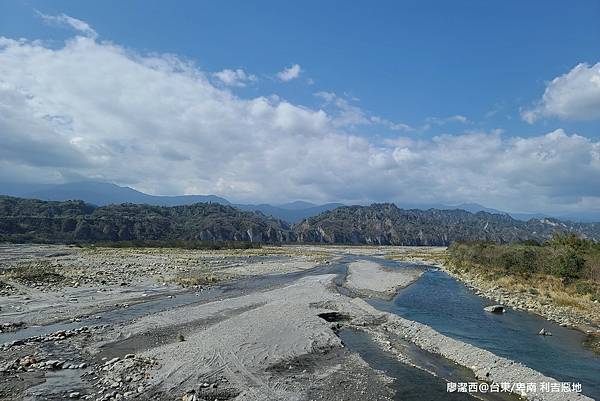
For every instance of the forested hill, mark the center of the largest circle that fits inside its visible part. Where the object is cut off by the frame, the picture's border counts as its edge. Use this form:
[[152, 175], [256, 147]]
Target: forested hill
[[28, 220], [387, 224]]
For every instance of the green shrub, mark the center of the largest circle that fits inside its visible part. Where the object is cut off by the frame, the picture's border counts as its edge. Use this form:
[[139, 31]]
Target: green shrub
[[569, 264]]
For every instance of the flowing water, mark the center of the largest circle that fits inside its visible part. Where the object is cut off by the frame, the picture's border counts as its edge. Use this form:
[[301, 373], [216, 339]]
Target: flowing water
[[443, 303], [411, 383]]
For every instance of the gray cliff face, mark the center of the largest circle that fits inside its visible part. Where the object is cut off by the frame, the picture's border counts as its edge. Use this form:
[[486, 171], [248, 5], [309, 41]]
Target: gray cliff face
[[28, 220], [386, 224]]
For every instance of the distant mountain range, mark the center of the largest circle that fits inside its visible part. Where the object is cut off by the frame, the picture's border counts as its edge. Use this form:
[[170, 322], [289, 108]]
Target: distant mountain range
[[386, 224], [102, 194], [32, 220], [291, 212]]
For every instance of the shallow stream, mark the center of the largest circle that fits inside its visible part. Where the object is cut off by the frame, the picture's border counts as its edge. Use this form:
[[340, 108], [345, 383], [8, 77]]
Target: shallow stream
[[448, 306]]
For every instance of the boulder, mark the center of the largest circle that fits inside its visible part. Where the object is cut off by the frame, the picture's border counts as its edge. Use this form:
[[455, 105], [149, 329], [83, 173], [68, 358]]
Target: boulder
[[189, 396], [495, 309]]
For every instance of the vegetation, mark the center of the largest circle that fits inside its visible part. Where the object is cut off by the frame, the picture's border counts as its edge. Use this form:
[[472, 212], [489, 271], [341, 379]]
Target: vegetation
[[216, 226], [35, 273], [195, 278], [201, 224], [567, 264], [386, 224], [179, 244]]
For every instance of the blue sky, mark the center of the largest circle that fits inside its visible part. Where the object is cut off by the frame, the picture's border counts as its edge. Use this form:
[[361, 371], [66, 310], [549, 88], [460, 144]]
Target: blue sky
[[400, 75], [405, 61]]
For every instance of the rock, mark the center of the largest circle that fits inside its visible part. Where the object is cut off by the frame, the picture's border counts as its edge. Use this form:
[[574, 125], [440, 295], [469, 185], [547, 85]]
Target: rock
[[495, 309], [75, 394], [116, 359], [27, 361], [189, 396], [53, 363]]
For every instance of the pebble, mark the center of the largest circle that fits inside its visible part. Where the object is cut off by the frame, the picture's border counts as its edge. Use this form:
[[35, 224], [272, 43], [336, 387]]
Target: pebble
[[115, 359]]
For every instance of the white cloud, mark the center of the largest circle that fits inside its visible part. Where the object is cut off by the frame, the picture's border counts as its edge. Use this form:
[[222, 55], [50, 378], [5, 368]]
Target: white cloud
[[344, 114], [574, 95], [77, 24], [154, 122], [440, 121], [391, 125], [289, 73], [236, 77]]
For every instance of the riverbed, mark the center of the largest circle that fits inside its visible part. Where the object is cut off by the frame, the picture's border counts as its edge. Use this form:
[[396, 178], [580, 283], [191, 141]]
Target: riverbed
[[287, 324]]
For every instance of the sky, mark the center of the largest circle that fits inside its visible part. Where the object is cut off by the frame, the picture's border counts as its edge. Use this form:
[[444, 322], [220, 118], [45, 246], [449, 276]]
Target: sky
[[413, 102]]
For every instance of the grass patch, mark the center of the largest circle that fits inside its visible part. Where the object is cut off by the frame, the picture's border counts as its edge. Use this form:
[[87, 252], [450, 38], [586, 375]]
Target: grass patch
[[36, 273], [565, 299], [179, 244], [435, 255], [576, 294], [195, 278]]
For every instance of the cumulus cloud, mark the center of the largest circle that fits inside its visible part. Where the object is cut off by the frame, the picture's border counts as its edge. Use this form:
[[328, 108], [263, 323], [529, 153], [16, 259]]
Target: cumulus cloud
[[157, 123], [574, 95], [345, 114], [74, 23], [289, 73], [236, 77]]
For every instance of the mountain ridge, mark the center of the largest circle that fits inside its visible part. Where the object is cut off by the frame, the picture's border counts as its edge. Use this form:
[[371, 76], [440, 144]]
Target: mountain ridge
[[386, 224], [105, 193], [30, 220]]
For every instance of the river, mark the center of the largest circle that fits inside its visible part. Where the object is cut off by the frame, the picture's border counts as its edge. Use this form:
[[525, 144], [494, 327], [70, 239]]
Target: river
[[448, 306]]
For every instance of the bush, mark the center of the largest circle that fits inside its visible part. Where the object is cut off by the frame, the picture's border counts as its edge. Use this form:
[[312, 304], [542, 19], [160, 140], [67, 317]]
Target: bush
[[567, 257], [569, 264]]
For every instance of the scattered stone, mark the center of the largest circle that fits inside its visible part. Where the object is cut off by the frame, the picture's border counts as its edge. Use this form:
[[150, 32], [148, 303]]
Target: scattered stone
[[57, 336], [13, 326]]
